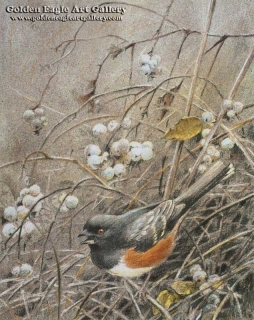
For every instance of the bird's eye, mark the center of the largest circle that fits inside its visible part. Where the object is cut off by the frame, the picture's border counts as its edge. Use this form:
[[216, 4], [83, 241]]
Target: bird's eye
[[101, 232]]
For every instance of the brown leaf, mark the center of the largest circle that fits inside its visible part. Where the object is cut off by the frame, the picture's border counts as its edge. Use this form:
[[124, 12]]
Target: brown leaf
[[168, 98], [115, 51], [84, 98]]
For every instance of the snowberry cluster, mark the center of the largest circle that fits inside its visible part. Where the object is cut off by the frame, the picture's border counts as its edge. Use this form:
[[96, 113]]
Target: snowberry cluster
[[212, 152], [66, 203], [94, 156], [122, 153], [149, 65], [234, 107], [101, 129], [132, 151], [36, 119], [207, 285], [23, 270], [29, 198]]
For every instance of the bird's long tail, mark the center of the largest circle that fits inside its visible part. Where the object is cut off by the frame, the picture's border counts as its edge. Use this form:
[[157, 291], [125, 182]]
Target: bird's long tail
[[213, 176]]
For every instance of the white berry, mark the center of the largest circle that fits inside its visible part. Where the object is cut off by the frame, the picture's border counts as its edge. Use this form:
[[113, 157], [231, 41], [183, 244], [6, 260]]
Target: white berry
[[104, 156], [205, 132], [24, 192], [16, 271], [108, 173], [145, 69], [99, 129], [37, 124], [119, 169], [144, 59], [146, 153], [10, 214], [92, 149], [199, 276], [211, 150], [28, 201], [148, 144], [153, 63], [231, 113], [202, 168], [207, 159], [135, 153], [114, 150], [227, 103], [126, 123], [9, 229], [135, 144], [39, 111], [28, 115], [34, 190], [202, 142], [194, 269], [205, 288], [94, 161], [22, 212], [227, 144], [62, 197], [29, 227], [37, 207], [216, 155], [44, 120], [238, 106], [112, 125], [64, 209], [25, 269], [207, 117], [123, 146], [157, 58], [71, 202]]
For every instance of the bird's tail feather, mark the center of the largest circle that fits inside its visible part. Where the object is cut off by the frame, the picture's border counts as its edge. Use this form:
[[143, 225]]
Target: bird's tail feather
[[213, 176]]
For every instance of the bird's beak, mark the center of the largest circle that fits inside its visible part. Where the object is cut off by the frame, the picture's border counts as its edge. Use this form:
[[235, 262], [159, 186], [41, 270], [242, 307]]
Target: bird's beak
[[86, 241]]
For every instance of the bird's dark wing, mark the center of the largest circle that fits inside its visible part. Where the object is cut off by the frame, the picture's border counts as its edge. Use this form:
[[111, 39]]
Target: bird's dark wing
[[148, 228]]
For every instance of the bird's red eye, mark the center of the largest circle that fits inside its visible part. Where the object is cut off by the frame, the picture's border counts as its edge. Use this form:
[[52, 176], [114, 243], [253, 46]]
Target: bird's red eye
[[101, 231]]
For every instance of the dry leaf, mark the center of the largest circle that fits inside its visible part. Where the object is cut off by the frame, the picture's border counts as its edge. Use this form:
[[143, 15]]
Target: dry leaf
[[168, 98], [185, 129], [115, 51], [84, 98], [183, 288], [166, 299]]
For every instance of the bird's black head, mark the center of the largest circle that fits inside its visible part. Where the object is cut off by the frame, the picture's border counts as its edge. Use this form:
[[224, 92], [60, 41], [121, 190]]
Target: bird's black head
[[98, 230]]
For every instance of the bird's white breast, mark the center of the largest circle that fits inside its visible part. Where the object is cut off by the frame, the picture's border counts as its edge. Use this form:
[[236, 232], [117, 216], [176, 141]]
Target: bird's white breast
[[121, 270]]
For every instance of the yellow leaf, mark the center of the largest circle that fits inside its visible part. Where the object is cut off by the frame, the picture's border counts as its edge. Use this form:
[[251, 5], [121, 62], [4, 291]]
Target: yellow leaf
[[185, 129], [184, 288], [166, 299]]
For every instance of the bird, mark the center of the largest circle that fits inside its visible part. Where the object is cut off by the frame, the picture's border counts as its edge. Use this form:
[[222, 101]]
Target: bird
[[133, 243]]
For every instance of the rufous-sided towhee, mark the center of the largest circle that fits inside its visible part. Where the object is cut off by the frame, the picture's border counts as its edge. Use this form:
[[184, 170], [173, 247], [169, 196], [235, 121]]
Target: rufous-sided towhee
[[133, 243]]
